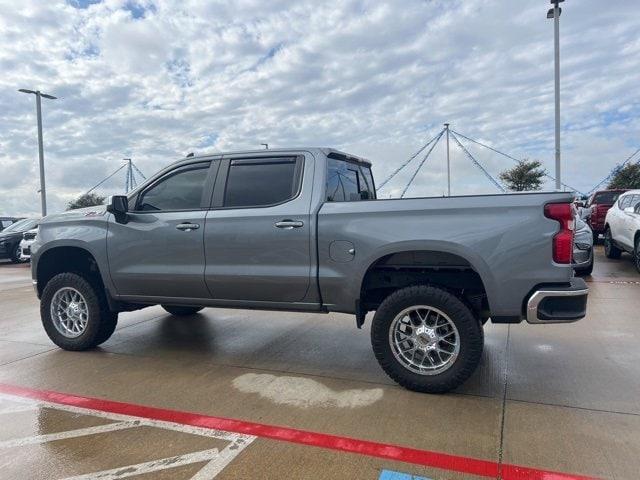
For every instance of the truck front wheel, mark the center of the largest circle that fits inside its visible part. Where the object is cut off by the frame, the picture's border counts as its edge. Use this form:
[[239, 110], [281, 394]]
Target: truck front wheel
[[73, 314], [426, 339]]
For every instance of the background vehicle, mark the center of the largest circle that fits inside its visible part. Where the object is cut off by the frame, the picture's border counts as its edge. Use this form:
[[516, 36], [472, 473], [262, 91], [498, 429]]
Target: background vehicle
[[11, 237], [623, 227], [28, 238], [6, 221], [600, 203], [582, 248], [302, 230]]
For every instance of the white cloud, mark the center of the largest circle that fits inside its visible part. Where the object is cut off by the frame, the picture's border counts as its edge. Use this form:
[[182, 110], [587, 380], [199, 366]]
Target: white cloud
[[155, 80]]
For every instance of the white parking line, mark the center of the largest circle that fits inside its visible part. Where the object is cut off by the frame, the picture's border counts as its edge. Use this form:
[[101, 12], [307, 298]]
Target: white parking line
[[149, 467], [216, 459], [18, 409], [224, 458], [80, 432], [206, 432]]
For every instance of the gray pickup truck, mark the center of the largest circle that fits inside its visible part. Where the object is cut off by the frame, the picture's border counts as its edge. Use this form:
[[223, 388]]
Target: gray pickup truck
[[302, 230]]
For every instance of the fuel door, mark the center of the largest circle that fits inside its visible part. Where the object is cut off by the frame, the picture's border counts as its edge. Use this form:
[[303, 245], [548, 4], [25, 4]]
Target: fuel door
[[342, 251]]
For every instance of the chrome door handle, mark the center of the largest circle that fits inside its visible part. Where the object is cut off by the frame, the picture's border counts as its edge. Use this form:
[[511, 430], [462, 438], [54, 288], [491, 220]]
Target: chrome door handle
[[187, 227], [289, 224]]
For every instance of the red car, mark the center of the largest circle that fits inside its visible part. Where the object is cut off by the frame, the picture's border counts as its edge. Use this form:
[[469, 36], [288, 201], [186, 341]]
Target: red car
[[600, 203]]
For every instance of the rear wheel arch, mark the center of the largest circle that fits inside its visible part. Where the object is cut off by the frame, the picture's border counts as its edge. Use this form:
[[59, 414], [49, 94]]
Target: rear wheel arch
[[443, 269]]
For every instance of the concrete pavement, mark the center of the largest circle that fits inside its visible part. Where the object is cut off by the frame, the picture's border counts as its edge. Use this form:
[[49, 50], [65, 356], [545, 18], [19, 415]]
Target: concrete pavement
[[558, 397]]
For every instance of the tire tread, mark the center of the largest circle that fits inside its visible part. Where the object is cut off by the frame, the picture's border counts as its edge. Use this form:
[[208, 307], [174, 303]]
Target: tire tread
[[102, 322]]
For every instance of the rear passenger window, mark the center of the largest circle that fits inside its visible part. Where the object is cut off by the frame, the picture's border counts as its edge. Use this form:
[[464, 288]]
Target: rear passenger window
[[262, 182], [348, 182]]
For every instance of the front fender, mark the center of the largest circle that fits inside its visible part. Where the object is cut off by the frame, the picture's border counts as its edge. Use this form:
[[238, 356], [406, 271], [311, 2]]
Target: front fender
[[87, 234]]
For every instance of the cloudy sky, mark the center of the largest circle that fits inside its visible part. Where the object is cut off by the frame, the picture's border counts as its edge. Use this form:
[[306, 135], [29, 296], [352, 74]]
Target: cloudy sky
[[154, 80]]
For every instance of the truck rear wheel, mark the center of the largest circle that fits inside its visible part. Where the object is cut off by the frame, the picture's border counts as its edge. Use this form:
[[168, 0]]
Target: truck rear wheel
[[73, 314], [181, 311], [426, 339]]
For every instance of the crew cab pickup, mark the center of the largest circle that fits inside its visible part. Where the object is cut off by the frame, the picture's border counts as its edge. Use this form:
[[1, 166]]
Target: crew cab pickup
[[302, 230]]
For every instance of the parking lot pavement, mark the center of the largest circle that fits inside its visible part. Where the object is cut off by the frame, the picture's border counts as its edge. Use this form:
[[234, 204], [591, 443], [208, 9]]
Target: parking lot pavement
[[241, 394]]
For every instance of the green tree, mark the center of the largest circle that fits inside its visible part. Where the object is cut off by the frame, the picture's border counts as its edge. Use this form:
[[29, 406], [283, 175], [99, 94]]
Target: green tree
[[627, 177], [86, 200], [527, 175]]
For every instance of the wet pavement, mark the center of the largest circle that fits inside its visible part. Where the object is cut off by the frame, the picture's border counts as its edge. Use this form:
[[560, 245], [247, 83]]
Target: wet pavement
[[563, 398]]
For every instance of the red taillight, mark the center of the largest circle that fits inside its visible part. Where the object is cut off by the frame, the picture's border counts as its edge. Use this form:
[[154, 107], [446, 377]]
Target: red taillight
[[563, 213]]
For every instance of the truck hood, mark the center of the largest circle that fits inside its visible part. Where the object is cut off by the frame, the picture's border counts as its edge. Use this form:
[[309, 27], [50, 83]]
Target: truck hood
[[96, 211]]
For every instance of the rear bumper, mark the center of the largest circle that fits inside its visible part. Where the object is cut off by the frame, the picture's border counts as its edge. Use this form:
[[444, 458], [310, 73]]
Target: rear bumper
[[563, 304]]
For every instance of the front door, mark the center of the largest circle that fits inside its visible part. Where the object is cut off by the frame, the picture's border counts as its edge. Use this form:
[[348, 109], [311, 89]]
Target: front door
[[159, 251], [631, 221], [258, 235]]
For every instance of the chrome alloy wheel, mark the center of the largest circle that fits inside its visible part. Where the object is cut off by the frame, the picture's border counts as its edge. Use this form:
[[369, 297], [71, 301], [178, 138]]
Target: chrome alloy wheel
[[424, 340], [69, 312]]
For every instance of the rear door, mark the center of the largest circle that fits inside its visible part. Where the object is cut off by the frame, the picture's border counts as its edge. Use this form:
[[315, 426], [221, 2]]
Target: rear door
[[258, 234], [159, 252]]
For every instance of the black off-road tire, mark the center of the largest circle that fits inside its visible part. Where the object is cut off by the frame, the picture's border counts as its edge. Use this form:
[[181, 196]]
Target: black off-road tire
[[470, 331], [181, 311], [610, 250], [101, 321], [636, 253]]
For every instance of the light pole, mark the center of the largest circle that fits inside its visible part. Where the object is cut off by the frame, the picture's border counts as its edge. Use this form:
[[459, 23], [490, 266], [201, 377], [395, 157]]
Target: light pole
[[555, 14], [43, 192], [446, 127]]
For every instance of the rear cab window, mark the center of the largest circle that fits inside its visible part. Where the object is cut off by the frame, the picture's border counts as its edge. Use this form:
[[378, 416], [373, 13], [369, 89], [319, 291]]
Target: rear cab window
[[348, 181]]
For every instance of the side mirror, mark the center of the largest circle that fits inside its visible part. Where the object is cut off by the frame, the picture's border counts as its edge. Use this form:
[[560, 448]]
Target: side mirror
[[119, 206], [629, 210]]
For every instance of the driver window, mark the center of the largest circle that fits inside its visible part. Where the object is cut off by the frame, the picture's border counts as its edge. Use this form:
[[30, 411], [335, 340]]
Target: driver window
[[179, 190]]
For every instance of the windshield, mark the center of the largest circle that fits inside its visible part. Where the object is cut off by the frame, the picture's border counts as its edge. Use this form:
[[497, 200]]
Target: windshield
[[606, 198], [21, 226]]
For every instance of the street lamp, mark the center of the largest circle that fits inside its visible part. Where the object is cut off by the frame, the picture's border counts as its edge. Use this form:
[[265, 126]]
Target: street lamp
[[43, 193], [555, 14]]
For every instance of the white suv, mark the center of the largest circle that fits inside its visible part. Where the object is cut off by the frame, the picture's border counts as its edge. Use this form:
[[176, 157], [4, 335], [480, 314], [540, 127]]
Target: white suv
[[622, 227]]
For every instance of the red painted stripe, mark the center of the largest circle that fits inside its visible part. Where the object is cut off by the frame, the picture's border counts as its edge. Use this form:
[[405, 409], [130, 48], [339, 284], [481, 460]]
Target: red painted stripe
[[444, 461]]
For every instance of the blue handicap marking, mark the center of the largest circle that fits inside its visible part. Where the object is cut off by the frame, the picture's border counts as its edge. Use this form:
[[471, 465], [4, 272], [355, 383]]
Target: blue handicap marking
[[392, 475]]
